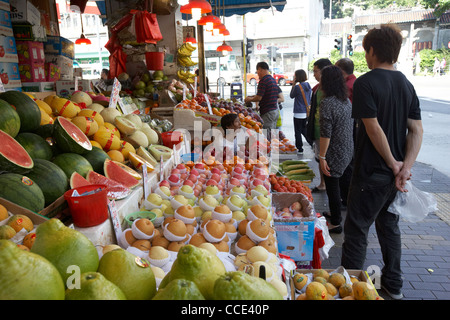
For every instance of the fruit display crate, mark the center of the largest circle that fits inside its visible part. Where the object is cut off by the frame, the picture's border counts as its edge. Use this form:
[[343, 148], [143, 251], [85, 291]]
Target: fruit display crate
[[360, 275]]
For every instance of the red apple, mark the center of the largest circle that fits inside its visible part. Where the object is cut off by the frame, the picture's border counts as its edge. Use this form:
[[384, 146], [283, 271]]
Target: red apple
[[175, 171], [188, 183], [211, 182], [195, 172], [164, 183], [174, 178], [215, 176]]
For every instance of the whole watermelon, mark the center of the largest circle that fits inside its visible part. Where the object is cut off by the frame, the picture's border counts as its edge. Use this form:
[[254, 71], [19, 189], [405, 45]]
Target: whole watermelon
[[71, 162], [22, 191], [9, 119], [28, 110], [96, 158], [50, 178], [36, 146]]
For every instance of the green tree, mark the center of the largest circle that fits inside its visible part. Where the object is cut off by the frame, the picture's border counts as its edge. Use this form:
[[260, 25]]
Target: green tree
[[439, 6]]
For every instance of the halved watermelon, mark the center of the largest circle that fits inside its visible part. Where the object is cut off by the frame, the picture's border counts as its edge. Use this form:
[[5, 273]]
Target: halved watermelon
[[115, 190], [119, 174], [13, 157], [69, 138], [77, 180]]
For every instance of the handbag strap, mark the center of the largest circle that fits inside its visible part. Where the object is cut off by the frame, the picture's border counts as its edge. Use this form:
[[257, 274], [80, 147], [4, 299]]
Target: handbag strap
[[303, 94]]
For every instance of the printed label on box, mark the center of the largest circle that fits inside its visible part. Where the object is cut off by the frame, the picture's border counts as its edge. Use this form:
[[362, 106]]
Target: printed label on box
[[9, 74], [8, 51], [295, 239], [5, 23]]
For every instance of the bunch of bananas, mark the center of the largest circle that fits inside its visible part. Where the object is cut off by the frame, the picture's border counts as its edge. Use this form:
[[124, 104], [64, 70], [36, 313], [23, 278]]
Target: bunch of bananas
[[186, 76], [184, 55]]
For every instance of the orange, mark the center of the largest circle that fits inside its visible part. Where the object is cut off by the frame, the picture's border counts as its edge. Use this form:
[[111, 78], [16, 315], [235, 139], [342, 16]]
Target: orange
[[3, 213], [19, 221], [116, 155]]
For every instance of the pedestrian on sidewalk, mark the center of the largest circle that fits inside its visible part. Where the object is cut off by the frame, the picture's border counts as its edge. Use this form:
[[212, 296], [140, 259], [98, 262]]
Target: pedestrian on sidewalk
[[313, 125], [336, 139], [388, 141], [347, 67], [301, 93]]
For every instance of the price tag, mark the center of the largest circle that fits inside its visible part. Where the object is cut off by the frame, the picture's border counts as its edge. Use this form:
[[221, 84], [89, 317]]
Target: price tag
[[161, 172], [2, 88], [207, 103], [115, 93], [144, 180], [76, 84], [114, 216], [195, 87], [184, 92]]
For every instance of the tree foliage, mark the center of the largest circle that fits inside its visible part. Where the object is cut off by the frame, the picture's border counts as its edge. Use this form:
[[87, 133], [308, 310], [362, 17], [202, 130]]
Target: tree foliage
[[439, 6]]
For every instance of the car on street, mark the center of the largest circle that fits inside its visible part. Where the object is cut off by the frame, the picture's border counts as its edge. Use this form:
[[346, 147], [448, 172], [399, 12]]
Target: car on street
[[281, 78]]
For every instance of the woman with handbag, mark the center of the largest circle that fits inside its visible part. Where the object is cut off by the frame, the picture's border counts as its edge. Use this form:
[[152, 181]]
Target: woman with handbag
[[301, 93]]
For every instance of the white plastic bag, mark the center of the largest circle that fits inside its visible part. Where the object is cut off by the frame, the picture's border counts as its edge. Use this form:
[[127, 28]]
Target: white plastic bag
[[414, 205]]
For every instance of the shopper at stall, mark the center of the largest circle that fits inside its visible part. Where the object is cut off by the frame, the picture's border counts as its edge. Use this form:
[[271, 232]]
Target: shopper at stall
[[336, 139], [388, 140], [105, 74], [301, 93], [313, 126], [266, 96]]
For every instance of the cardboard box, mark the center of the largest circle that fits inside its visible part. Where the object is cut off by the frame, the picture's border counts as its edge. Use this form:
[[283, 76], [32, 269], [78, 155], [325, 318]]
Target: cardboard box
[[16, 209], [361, 275], [4, 5], [60, 46], [8, 49], [52, 72], [38, 87], [6, 27], [29, 32], [23, 11], [10, 75], [65, 88], [63, 63], [32, 72], [30, 52]]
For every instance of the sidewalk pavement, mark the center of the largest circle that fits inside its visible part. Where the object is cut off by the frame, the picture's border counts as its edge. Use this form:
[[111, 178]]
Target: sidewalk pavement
[[425, 244]]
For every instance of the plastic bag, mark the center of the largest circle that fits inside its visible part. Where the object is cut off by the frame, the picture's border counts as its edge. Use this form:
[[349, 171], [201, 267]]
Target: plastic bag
[[414, 205]]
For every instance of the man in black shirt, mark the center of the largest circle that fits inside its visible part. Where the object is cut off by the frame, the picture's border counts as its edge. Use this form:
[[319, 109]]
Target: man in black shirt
[[388, 140]]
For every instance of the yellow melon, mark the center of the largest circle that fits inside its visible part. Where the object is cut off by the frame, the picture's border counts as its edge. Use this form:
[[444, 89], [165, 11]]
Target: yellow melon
[[126, 148], [48, 99], [107, 139], [92, 114], [113, 128], [45, 118], [138, 162], [116, 155], [30, 95], [44, 106], [64, 107], [96, 144], [88, 125]]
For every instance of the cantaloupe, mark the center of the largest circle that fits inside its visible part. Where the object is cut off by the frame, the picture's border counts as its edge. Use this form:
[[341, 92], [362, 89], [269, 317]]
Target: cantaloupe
[[109, 114], [81, 97], [92, 114]]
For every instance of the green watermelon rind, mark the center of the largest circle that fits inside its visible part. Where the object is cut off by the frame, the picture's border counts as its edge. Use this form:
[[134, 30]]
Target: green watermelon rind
[[50, 178], [9, 119], [70, 162], [21, 190], [36, 146], [96, 158], [65, 142], [7, 165], [28, 110]]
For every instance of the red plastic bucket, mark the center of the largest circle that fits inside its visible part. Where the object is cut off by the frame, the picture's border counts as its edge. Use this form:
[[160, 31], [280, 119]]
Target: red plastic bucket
[[154, 60], [88, 210], [170, 138]]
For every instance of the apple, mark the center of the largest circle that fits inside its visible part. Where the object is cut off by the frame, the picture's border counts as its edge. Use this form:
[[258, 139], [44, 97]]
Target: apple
[[210, 201], [194, 172], [173, 178], [192, 177], [236, 201], [164, 190], [238, 189], [257, 182], [297, 214], [215, 177], [187, 189], [183, 176], [238, 215], [215, 170], [238, 170], [264, 200], [181, 167], [188, 183], [211, 182], [154, 199], [260, 189], [296, 206], [235, 182], [164, 183], [175, 171]]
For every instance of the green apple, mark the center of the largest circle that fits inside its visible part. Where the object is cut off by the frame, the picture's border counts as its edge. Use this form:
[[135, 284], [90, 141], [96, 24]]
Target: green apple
[[264, 200], [181, 199], [210, 201], [236, 201], [238, 189], [261, 189], [187, 189], [154, 199]]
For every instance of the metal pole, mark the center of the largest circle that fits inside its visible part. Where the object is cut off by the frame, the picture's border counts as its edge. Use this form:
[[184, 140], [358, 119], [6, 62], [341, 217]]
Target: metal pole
[[244, 45], [201, 58]]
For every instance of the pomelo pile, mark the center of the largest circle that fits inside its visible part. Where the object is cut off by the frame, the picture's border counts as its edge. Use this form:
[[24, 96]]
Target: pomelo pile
[[46, 142]]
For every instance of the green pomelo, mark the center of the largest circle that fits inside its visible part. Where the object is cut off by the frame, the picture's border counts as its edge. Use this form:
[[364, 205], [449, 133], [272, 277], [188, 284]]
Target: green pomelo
[[36, 146], [13, 157], [50, 178], [28, 110], [179, 289], [27, 276], [9, 119], [22, 191], [131, 274], [94, 286], [97, 158], [70, 138], [238, 285], [197, 265], [65, 247], [7, 232], [72, 162]]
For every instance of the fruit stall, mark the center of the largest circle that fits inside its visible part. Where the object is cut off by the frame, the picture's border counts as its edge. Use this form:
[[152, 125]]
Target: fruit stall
[[102, 181]]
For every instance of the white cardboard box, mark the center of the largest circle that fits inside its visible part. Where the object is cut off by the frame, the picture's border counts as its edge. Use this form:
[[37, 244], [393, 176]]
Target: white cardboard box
[[23, 11]]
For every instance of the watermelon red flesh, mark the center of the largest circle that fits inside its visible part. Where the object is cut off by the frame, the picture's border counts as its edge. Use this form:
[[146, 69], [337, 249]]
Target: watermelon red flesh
[[69, 138], [77, 180], [118, 174], [115, 190], [13, 157]]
